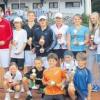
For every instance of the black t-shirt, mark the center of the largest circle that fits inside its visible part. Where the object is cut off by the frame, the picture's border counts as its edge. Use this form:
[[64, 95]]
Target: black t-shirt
[[39, 75], [29, 33]]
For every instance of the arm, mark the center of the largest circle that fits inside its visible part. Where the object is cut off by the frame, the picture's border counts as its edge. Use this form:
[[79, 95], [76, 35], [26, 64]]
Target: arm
[[54, 41], [97, 36], [89, 92]]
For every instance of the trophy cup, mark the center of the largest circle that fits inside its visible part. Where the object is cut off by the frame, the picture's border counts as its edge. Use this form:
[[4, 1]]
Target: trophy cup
[[75, 42], [60, 39], [42, 42], [92, 45]]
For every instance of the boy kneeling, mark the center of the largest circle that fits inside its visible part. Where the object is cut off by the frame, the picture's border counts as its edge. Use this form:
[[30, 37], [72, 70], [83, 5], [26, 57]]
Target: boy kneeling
[[12, 81]]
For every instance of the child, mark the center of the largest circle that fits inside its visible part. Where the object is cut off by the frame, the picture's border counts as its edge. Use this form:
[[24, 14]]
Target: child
[[53, 79], [18, 43], [82, 79], [12, 80], [69, 64], [34, 76]]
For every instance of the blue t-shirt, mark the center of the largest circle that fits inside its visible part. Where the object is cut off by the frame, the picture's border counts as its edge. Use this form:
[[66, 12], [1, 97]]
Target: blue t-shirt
[[80, 37], [82, 78]]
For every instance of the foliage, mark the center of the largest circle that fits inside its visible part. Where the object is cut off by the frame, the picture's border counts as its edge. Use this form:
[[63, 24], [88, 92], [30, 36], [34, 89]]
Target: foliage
[[85, 19]]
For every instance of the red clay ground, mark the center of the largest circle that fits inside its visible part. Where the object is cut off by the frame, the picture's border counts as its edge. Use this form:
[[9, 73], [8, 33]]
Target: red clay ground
[[95, 95]]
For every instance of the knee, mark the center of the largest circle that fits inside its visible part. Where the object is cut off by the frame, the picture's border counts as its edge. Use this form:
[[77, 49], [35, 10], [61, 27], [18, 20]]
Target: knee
[[25, 80]]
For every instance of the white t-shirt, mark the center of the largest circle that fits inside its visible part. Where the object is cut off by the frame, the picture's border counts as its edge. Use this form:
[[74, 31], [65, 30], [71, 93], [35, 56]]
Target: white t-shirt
[[20, 37], [97, 40], [15, 78], [61, 34], [70, 66]]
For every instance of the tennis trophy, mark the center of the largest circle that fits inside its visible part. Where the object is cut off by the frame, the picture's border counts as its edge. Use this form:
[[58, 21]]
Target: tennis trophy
[[92, 45], [42, 42]]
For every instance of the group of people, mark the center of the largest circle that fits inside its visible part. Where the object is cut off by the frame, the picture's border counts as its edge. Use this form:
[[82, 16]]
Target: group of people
[[59, 58]]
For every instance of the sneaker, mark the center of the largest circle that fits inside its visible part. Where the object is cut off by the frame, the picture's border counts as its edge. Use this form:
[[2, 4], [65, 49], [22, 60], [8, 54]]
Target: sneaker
[[7, 97], [17, 94], [29, 97]]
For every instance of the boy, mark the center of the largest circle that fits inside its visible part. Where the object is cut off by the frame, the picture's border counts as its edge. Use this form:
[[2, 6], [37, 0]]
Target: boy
[[53, 79], [12, 80], [82, 79], [34, 76], [18, 43], [69, 64]]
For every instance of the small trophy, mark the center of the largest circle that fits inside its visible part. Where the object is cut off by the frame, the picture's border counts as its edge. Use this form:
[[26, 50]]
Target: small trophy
[[52, 83], [42, 42], [92, 45], [75, 42]]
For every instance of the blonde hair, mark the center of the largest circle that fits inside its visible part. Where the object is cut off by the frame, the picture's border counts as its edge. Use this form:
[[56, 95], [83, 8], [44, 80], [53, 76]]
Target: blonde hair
[[31, 12], [92, 26]]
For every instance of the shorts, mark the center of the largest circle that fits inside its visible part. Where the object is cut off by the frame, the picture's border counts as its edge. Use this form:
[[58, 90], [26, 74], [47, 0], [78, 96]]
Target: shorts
[[54, 97], [59, 52], [98, 58], [29, 58], [4, 58], [19, 62]]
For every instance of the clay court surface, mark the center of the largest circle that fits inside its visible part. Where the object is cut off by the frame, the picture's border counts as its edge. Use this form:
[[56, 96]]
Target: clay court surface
[[95, 95]]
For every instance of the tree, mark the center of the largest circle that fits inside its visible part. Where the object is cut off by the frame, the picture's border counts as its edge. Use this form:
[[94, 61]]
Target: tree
[[96, 5]]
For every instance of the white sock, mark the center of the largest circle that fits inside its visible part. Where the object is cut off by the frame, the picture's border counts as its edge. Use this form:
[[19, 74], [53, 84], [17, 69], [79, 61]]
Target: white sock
[[7, 96], [29, 93]]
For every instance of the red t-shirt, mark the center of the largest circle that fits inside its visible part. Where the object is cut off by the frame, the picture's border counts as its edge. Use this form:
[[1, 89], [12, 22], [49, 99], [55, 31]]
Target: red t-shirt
[[5, 33]]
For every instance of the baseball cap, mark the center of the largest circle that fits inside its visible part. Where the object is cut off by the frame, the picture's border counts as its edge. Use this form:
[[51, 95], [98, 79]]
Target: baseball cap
[[68, 53], [42, 17], [58, 15], [17, 19]]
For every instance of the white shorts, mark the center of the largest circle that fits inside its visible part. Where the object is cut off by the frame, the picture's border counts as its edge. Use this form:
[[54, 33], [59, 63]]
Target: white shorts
[[29, 58], [4, 58]]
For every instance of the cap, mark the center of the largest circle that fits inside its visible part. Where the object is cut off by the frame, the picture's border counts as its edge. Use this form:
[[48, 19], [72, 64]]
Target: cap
[[17, 19], [58, 15], [68, 53], [42, 17]]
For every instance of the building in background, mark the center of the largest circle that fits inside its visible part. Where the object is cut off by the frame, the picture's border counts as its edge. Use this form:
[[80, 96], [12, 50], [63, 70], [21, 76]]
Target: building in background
[[64, 6]]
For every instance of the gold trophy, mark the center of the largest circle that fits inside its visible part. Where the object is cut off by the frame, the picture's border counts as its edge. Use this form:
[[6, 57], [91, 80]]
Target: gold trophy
[[42, 42], [92, 45]]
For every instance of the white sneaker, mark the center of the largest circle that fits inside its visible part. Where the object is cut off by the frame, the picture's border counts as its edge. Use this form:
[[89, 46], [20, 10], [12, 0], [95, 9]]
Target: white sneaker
[[17, 94], [7, 96]]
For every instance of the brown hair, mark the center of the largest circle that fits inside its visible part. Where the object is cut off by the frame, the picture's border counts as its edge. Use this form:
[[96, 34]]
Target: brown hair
[[52, 56], [13, 63]]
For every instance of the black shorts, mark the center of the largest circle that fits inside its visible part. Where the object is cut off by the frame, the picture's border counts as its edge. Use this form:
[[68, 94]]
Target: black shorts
[[54, 97], [19, 62], [59, 52]]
